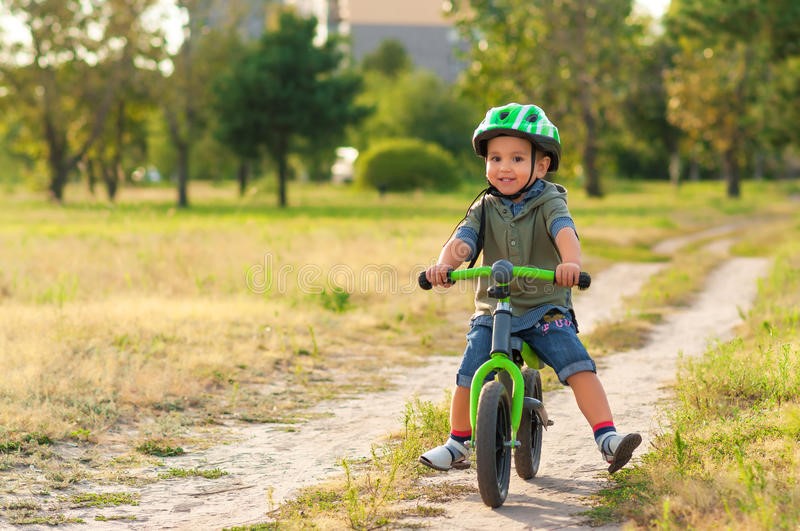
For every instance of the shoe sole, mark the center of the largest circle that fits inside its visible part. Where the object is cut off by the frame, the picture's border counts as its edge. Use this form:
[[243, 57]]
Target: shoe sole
[[458, 465], [625, 451]]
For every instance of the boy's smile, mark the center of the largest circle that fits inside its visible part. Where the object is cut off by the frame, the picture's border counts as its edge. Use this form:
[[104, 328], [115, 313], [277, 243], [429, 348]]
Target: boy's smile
[[508, 164]]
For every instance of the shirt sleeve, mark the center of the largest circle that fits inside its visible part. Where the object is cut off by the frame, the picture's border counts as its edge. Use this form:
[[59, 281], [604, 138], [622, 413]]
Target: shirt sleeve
[[557, 217], [469, 236], [469, 227], [562, 223]]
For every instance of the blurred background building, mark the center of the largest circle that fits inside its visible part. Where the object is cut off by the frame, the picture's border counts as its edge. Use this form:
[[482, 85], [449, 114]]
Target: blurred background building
[[419, 25]]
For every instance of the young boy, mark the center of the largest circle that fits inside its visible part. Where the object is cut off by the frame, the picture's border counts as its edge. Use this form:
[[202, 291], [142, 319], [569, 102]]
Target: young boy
[[524, 219]]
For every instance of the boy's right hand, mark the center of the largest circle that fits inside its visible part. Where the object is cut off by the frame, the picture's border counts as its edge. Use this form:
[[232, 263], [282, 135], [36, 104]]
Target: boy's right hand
[[437, 275]]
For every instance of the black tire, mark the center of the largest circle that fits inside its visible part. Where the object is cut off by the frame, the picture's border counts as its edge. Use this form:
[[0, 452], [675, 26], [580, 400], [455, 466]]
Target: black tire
[[529, 452], [492, 443]]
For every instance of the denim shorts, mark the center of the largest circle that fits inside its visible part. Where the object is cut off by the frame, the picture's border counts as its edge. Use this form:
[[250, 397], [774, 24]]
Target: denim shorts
[[554, 339]]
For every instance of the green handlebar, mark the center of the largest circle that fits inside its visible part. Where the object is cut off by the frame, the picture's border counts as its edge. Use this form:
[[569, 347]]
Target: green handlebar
[[519, 271]]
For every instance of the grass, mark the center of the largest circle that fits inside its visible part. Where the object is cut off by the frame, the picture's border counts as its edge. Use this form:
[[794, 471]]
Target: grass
[[214, 473], [170, 322], [159, 449], [377, 490], [103, 499]]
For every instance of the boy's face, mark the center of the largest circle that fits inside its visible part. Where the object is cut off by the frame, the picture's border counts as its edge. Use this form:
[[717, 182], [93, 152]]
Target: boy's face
[[508, 163]]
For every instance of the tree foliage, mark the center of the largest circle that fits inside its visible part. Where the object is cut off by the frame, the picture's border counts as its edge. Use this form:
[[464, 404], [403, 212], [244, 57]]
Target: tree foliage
[[284, 89], [390, 59], [418, 104], [569, 56], [64, 82], [724, 90]]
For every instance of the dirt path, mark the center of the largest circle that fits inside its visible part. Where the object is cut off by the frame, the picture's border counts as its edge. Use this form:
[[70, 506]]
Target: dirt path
[[267, 463]]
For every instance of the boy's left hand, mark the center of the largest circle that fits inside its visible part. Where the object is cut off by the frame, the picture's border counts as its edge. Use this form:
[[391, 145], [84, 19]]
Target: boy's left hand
[[567, 274]]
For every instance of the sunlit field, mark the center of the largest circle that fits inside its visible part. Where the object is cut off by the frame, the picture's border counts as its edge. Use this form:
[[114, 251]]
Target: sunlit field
[[138, 323], [113, 313]]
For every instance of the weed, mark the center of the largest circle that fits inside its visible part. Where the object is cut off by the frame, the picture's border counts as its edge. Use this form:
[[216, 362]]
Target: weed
[[80, 434], [214, 473], [159, 449], [365, 499], [314, 347], [103, 499], [50, 519], [336, 300], [62, 291], [7, 447]]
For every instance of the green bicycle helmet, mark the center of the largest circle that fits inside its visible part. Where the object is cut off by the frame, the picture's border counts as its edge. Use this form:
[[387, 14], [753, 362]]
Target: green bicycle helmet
[[523, 121]]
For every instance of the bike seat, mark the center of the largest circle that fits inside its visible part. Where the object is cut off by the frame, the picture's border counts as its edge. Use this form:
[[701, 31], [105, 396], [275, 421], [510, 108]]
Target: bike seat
[[524, 351]]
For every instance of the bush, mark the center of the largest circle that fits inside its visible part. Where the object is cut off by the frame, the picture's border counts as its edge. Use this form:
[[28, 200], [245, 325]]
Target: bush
[[406, 164]]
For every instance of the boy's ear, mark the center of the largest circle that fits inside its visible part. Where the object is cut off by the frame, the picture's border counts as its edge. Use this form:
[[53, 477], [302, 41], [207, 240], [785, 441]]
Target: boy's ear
[[546, 160]]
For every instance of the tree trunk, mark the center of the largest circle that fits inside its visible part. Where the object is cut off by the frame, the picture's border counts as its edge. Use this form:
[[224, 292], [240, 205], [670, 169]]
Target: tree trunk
[[675, 168], [759, 163], [58, 180], [731, 171], [91, 176], [280, 154], [113, 174], [183, 176], [242, 174], [694, 170], [586, 101], [110, 179], [593, 188], [282, 167]]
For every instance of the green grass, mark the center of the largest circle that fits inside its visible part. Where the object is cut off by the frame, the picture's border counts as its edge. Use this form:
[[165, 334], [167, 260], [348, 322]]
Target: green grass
[[103, 499], [159, 449], [214, 473]]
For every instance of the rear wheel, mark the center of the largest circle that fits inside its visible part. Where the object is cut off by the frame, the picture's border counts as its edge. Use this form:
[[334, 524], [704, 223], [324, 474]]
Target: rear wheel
[[528, 455], [493, 443]]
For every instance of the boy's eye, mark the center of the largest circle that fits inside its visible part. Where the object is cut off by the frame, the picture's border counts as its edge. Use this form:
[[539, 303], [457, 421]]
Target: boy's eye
[[519, 159]]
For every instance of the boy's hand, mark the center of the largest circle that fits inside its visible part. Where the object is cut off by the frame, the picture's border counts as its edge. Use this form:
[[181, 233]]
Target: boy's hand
[[567, 274], [437, 275]]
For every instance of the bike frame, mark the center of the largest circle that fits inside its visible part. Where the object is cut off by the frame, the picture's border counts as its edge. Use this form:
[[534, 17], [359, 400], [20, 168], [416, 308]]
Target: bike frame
[[501, 356]]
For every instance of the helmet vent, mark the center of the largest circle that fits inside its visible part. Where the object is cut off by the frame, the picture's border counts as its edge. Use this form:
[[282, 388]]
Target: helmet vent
[[532, 118], [503, 115]]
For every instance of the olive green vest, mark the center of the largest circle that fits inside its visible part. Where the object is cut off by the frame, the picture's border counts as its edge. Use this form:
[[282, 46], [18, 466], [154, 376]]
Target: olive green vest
[[524, 240]]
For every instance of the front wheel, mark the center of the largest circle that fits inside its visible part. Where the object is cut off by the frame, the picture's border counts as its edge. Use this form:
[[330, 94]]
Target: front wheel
[[493, 443], [528, 455]]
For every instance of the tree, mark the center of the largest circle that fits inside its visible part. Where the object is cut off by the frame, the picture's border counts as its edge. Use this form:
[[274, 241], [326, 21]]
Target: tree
[[390, 59], [418, 104], [285, 89], [212, 42], [569, 56], [63, 84], [722, 87]]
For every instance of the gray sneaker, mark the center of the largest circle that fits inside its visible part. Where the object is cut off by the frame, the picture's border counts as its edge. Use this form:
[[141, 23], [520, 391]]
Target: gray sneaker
[[618, 449], [451, 454]]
